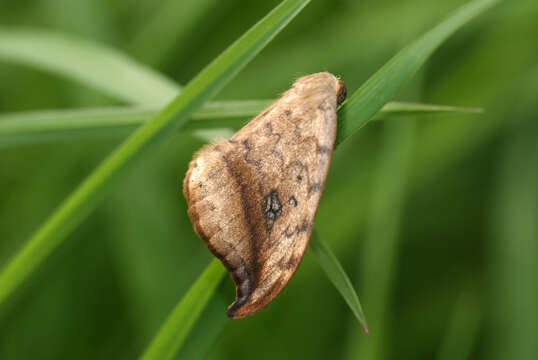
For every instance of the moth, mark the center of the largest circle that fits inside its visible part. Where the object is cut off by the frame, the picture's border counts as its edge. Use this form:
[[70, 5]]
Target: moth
[[253, 198]]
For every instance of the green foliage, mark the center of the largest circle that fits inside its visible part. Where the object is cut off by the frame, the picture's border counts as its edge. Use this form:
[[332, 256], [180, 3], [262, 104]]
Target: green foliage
[[334, 271], [181, 320], [381, 88], [167, 28], [86, 197], [92, 65], [46, 126], [420, 246], [378, 255]]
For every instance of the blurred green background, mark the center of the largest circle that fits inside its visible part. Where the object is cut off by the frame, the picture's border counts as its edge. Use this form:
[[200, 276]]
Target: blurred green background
[[434, 218]]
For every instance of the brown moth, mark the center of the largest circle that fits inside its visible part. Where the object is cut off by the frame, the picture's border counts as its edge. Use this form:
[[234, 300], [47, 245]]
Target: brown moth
[[253, 198]]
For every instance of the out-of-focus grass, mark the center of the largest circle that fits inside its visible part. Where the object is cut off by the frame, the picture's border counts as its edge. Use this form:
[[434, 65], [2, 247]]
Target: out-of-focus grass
[[169, 28], [95, 65], [514, 248], [144, 252], [173, 333], [92, 190], [461, 329], [382, 87], [337, 275], [47, 126], [378, 258]]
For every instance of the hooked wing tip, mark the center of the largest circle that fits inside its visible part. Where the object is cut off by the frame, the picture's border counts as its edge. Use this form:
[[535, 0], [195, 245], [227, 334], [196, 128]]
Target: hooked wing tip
[[246, 303], [241, 308], [234, 311]]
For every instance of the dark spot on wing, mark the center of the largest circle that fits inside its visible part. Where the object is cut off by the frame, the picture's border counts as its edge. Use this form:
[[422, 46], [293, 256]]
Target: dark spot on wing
[[315, 187], [272, 208], [305, 226], [292, 201]]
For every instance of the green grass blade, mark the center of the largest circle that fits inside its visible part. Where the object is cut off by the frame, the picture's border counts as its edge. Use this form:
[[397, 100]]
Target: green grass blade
[[462, 329], [513, 261], [166, 29], [46, 126], [409, 108], [337, 275], [379, 250], [91, 64], [207, 330], [88, 195], [384, 84], [179, 323]]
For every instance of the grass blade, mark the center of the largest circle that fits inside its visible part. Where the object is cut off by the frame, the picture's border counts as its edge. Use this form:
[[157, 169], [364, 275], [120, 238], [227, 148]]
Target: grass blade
[[379, 250], [91, 64], [207, 330], [49, 125], [178, 325], [462, 329], [88, 195], [383, 85], [409, 108], [337, 275], [168, 28], [46, 126], [514, 246]]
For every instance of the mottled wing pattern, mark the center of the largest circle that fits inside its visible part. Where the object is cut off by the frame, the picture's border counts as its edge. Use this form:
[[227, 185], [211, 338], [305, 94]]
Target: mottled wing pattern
[[253, 198]]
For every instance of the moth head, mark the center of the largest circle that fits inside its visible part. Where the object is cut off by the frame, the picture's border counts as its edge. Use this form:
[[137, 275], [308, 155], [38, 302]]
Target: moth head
[[321, 85], [341, 93]]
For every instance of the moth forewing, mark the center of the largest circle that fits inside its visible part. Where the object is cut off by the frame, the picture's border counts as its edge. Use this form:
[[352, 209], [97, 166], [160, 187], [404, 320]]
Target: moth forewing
[[253, 198]]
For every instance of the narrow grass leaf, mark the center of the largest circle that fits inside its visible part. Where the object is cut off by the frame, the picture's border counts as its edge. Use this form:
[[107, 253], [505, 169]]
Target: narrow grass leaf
[[410, 108], [46, 126], [337, 275], [182, 319], [210, 325], [91, 64], [89, 194], [384, 84]]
